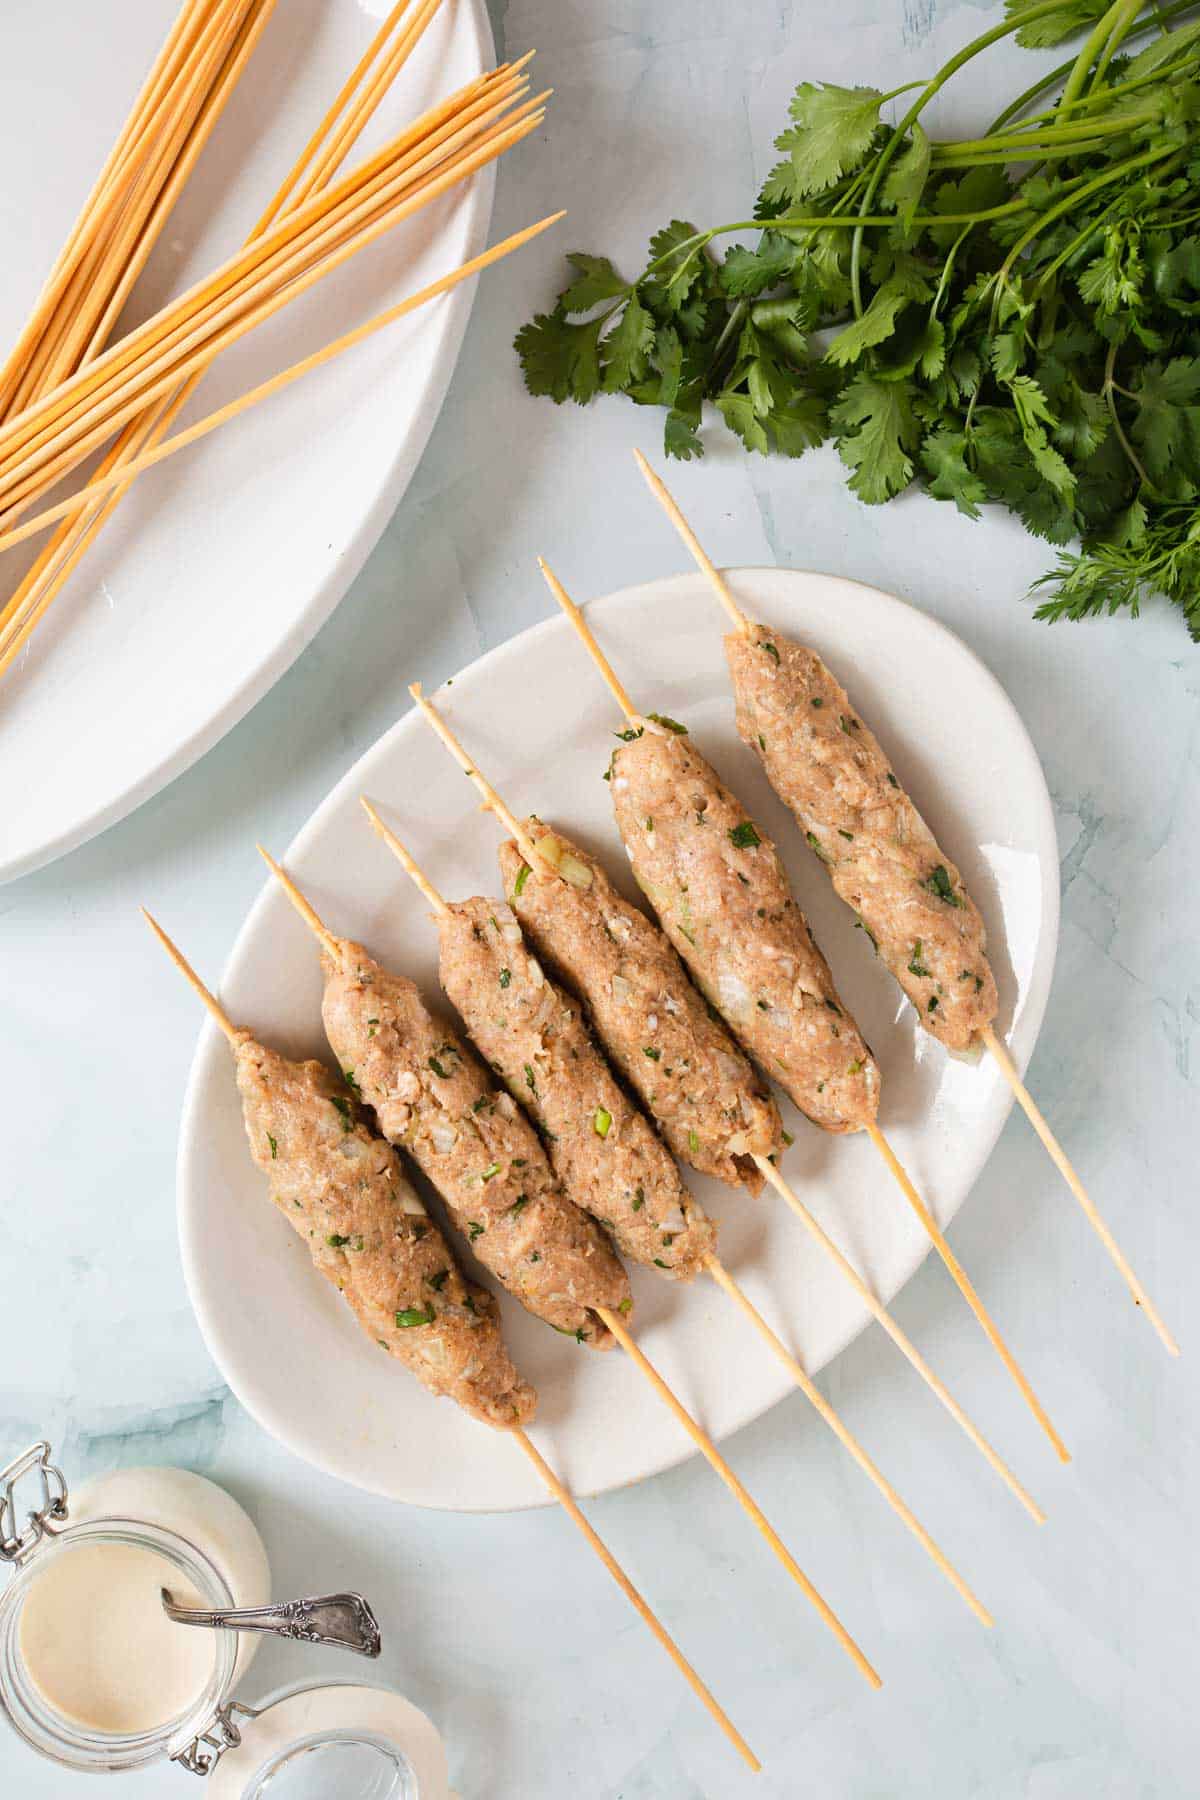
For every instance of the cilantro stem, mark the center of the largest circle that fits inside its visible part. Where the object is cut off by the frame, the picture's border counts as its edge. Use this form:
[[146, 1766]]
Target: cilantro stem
[[1116, 172], [1108, 390], [1093, 44], [1052, 77], [1121, 29], [1004, 29]]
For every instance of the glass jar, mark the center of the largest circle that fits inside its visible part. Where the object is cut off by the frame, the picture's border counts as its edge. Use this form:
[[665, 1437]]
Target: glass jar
[[305, 1743], [67, 1740]]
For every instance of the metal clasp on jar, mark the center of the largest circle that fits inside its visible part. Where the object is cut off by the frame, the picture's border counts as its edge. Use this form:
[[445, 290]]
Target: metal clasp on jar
[[17, 1544], [205, 1751]]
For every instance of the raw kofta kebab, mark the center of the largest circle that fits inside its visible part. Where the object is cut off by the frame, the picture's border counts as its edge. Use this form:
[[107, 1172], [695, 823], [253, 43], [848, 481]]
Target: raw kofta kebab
[[826, 766], [343, 1190], [591, 934], [433, 1097], [753, 957]]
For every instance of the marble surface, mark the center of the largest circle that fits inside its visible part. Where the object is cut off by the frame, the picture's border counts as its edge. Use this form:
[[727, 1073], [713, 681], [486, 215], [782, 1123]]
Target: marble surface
[[503, 1629]]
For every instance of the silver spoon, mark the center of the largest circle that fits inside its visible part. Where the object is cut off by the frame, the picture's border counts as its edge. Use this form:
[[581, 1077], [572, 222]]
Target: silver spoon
[[343, 1620]]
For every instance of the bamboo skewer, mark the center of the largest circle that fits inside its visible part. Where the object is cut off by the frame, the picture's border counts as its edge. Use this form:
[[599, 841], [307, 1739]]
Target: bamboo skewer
[[92, 212], [551, 1481], [270, 258], [55, 445], [1058, 1156], [11, 641], [993, 1043], [103, 204], [769, 1170], [615, 1324], [86, 315], [902, 1342], [713, 1456], [59, 558], [577, 1517], [495, 803]]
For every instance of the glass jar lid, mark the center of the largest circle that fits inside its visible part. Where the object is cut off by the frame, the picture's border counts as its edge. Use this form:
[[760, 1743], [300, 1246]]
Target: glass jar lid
[[318, 1740]]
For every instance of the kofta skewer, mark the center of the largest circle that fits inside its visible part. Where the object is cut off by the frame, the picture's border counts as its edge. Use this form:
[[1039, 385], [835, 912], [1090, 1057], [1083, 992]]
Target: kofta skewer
[[612, 1318], [929, 932], [592, 979], [683, 773], [344, 1192], [433, 1098], [650, 1017], [483, 1312]]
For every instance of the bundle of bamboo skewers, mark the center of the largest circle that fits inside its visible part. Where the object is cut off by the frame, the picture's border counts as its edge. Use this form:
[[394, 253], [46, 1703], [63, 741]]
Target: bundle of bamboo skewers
[[65, 392]]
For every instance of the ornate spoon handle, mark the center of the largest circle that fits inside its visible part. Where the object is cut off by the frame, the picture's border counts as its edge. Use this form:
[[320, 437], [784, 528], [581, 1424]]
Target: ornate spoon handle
[[344, 1620]]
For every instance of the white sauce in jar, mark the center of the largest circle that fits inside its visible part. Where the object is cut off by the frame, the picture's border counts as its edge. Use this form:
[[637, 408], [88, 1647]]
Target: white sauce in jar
[[98, 1646]]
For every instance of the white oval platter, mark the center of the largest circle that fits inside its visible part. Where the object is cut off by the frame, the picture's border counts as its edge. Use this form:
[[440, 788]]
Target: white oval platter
[[537, 717]]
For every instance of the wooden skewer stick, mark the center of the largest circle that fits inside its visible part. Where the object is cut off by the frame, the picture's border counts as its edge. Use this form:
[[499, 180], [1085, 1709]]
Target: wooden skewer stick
[[584, 631], [61, 446], [189, 974], [1058, 1156], [322, 220], [566, 1501], [845, 1436], [483, 786], [713, 1263], [697, 1434], [411, 867], [962, 1280], [773, 1176], [551, 1480], [966, 1287], [126, 472], [59, 558], [709, 1450], [704, 563], [903, 1343], [269, 273], [303, 906]]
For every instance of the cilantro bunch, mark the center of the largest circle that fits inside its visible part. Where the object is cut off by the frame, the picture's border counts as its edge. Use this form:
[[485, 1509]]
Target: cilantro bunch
[[1013, 318]]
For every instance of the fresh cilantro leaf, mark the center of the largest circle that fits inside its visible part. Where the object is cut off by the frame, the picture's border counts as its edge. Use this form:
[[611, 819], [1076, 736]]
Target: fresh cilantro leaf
[[905, 180], [752, 271], [559, 359], [1166, 425], [596, 281], [739, 413], [876, 325], [626, 349], [836, 126], [944, 458], [878, 435], [1073, 16], [680, 437]]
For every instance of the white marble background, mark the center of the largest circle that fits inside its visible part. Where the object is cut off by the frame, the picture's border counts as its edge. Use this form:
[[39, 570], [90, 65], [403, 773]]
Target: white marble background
[[503, 1629]]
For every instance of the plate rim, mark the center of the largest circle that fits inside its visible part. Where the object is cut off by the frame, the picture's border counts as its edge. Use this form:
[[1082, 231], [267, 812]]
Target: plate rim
[[351, 783], [454, 315]]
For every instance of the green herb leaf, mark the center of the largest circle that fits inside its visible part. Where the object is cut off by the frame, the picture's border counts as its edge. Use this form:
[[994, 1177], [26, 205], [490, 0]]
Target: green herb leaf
[[414, 1315], [938, 884], [595, 281], [834, 130], [743, 836]]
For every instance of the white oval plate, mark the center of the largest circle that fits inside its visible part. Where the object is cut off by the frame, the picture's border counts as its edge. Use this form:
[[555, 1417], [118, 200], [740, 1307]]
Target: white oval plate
[[541, 723], [219, 568]]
